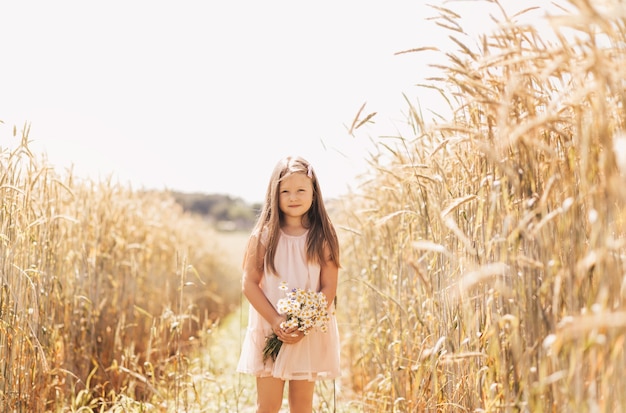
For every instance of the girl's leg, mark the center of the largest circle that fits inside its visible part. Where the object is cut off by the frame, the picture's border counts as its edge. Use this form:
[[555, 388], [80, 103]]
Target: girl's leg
[[301, 396], [269, 394]]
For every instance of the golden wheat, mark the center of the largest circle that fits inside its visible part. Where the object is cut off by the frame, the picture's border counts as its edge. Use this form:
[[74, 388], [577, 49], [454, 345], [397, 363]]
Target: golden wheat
[[484, 261], [103, 289]]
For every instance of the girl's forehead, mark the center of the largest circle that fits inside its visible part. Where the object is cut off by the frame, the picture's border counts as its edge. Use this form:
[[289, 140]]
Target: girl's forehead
[[296, 178]]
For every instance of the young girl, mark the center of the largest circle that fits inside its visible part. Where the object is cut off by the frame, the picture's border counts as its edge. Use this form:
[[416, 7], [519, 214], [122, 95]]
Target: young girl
[[292, 243]]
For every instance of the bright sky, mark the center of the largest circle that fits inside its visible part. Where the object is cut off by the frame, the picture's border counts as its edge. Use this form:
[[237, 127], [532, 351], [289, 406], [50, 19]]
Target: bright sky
[[202, 96]]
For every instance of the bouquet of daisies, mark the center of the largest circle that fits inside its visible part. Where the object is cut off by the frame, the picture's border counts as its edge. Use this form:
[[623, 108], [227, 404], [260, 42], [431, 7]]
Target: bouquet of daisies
[[305, 310]]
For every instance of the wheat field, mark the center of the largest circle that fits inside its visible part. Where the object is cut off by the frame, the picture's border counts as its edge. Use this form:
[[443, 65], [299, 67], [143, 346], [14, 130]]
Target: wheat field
[[483, 256], [103, 288], [491, 277]]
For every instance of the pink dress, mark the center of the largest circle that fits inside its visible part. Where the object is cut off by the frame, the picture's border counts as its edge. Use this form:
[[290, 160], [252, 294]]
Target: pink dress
[[316, 356]]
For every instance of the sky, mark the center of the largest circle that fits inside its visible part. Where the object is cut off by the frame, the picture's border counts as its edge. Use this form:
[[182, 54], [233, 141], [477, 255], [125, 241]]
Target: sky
[[206, 96]]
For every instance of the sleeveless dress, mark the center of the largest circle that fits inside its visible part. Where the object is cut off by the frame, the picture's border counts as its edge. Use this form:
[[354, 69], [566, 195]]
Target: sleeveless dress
[[316, 356]]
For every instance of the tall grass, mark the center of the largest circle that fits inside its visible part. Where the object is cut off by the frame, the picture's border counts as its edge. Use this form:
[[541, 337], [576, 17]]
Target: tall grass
[[103, 289], [484, 256]]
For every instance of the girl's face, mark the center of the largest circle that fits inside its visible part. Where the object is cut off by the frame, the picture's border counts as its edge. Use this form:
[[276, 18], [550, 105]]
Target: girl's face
[[295, 195]]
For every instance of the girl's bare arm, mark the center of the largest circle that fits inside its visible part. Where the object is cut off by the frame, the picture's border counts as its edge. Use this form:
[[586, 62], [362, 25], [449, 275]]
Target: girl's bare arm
[[252, 275], [328, 278]]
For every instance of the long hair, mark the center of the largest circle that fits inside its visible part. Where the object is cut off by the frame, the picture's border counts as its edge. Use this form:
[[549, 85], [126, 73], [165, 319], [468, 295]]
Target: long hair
[[321, 230]]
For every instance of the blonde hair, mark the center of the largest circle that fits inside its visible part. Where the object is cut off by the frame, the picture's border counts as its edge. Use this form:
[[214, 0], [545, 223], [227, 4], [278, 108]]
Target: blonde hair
[[321, 230]]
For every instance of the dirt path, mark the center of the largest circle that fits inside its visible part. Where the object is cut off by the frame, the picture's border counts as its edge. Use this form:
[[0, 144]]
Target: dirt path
[[219, 387]]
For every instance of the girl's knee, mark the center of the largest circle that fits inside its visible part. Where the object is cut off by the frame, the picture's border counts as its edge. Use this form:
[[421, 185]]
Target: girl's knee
[[269, 395], [267, 408], [270, 404]]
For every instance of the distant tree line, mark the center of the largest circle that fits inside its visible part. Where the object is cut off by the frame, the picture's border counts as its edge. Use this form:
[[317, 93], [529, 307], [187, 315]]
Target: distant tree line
[[226, 212]]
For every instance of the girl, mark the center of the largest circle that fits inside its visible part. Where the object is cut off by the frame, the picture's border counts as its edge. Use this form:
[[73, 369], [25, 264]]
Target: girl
[[292, 243]]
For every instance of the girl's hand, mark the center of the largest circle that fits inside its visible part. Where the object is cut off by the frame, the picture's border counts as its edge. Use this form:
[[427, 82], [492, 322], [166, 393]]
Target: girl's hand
[[287, 335], [276, 326], [292, 335]]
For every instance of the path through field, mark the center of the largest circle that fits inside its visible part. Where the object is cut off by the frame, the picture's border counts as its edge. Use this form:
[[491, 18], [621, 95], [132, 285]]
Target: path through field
[[215, 386]]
